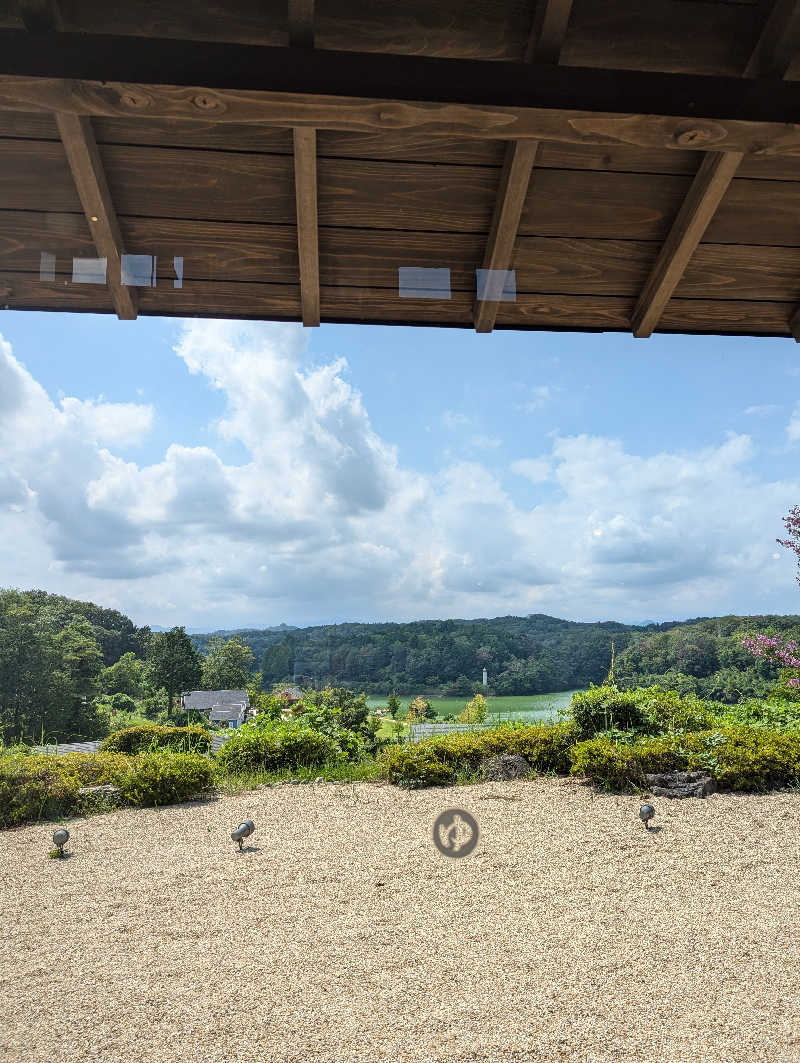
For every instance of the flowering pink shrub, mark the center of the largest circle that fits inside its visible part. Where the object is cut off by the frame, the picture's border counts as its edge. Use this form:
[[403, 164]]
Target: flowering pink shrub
[[773, 648]]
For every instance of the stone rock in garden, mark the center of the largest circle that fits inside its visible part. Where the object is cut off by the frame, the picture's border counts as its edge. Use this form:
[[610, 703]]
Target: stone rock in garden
[[680, 784], [105, 796], [504, 766]]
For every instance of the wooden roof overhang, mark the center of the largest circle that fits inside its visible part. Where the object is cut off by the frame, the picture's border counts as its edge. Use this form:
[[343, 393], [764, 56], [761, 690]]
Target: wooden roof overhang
[[367, 162]]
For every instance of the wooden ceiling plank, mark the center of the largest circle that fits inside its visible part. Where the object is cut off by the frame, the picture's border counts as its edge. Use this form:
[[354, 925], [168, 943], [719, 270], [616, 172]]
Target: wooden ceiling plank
[[301, 23], [305, 179], [544, 46], [92, 187], [40, 16], [709, 186]]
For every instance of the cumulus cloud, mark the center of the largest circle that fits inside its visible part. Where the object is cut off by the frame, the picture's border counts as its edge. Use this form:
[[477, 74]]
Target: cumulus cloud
[[320, 519]]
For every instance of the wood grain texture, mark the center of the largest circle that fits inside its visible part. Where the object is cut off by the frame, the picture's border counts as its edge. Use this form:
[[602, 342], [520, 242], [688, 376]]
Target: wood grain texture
[[509, 205], [548, 32], [92, 188], [709, 186], [280, 302], [778, 42], [305, 180], [40, 16]]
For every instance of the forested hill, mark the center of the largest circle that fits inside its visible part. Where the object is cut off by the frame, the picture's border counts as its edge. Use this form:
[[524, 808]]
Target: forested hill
[[522, 655]]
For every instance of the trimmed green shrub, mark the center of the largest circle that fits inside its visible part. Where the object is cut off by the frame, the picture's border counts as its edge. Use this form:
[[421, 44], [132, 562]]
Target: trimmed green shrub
[[35, 787], [438, 761], [738, 758], [666, 710], [149, 737], [602, 707], [415, 766], [95, 769], [165, 778], [277, 747]]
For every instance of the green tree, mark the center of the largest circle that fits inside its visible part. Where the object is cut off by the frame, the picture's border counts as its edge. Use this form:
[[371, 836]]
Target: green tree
[[420, 708], [227, 664], [393, 705], [172, 663], [124, 677], [474, 710]]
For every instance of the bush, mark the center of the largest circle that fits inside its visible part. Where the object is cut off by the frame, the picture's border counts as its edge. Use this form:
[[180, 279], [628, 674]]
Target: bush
[[165, 778], [438, 761], [276, 747], [666, 710], [602, 707], [35, 787], [737, 757], [149, 737]]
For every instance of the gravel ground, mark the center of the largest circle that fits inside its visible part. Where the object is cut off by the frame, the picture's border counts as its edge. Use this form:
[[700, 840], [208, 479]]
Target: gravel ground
[[343, 936]]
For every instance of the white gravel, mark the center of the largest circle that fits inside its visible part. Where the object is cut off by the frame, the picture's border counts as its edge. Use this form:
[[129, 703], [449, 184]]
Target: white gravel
[[343, 935]]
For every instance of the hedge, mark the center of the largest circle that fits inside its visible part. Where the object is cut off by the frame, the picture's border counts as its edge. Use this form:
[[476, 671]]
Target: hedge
[[439, 761], [165, 778], [149, 737], [277, 747], [737, 757]]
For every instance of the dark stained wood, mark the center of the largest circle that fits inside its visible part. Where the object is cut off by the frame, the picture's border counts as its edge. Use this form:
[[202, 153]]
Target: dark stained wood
[[778, 43], [280, 302], [794, 325], [509, 205], [705, 38], [709, 186], [305, 179], [548, 32], [96, 75], [40, 16], [301, 23], [90, 182]]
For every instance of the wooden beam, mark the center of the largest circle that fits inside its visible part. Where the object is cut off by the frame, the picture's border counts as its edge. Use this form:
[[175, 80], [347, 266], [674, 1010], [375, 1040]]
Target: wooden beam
[[305, 183], [40, 16], [301, 23], [90, 182], [511, 196], [544, 46], [709, 186], [778, 43], [549, 30], [209, 81]]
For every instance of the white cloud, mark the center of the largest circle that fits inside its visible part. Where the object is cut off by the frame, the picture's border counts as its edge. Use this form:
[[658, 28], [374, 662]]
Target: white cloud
[[537, 470], [761, 411], [793, 427], [120, 423], [483, 442], [321, 520]]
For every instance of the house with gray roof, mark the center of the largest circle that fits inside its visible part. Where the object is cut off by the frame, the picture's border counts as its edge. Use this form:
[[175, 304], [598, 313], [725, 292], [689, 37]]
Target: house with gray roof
[[229, 707]]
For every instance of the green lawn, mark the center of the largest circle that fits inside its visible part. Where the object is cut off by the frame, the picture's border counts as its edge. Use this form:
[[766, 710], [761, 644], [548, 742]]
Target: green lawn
[[526, 707]]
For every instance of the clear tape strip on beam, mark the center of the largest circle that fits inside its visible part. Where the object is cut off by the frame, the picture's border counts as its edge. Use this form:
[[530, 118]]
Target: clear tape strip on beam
[[47, 266], [497, 285], [89, 270], [419, 282], [139, 271]]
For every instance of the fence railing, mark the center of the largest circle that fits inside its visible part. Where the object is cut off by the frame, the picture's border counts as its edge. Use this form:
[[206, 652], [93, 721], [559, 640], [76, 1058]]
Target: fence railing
[[418, 731]]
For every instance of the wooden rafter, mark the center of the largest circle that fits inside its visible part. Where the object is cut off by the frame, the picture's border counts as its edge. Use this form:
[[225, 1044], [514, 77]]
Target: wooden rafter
[[301, 35], [704, 196], [305, 182], [301, 23], [544, 46], [771, 58], [90, 181]]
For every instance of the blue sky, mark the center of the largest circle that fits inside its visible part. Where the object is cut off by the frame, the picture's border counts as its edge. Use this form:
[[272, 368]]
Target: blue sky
[[224, 474]]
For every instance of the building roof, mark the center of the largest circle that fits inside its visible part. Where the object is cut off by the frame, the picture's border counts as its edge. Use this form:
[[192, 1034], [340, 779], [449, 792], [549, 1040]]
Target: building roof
[[636, 165], [227, 712], [206, 700]]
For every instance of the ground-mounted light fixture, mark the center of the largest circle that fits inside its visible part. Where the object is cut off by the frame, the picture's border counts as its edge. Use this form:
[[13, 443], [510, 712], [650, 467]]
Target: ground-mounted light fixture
[[60, 839], [244, 830], [646, 813]]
